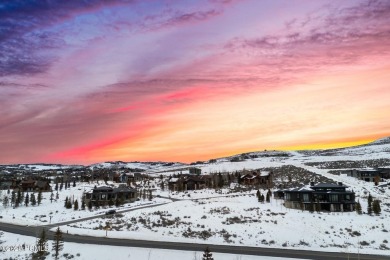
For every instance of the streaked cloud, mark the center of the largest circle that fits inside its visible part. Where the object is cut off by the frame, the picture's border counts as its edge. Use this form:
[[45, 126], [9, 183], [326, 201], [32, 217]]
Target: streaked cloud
[[88, 81]]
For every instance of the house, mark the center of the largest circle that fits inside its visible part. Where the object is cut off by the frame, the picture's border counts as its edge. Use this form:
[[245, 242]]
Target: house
[[175, 184], [194, 183], [208, 180], [384, 172], [31, 185], [116, 177], [187, 182], [369, 175], [42, 186], [104, 194], [27, 185], [195, 170], [257, 177], [321, 197], [279, 194], [134, 177]]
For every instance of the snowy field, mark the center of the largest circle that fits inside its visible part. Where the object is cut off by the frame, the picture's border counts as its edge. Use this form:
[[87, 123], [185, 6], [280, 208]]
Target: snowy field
[[242, 220], [55, 212]]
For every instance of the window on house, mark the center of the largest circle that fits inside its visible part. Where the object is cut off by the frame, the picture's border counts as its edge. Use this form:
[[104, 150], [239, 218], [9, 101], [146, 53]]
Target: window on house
[[306, 197], [333, 198]]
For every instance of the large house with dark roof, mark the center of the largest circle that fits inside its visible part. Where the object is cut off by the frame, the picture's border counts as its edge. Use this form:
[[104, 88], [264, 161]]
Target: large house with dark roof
[[320, 197], [370, 175], [187, 182], [257, 177], [104, 194], [31, 185]]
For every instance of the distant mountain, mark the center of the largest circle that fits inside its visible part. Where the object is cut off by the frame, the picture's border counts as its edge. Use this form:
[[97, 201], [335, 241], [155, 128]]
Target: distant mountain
[[380, 147], [385, 140]]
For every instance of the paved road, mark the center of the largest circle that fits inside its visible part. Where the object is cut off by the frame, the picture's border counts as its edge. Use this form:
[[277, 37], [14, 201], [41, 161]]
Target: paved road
[[239, 250]]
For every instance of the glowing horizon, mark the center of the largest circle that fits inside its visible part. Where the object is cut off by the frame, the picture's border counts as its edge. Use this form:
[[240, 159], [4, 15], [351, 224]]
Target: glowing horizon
[[86, 82]]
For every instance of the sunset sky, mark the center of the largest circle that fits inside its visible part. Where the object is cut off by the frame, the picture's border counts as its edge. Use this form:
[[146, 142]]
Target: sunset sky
[[92, 81]]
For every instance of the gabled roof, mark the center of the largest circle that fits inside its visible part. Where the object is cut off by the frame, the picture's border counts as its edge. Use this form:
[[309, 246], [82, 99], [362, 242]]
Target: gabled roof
[[102, 188], [328, 185], [303, 189], [194, 178], [124, 189]]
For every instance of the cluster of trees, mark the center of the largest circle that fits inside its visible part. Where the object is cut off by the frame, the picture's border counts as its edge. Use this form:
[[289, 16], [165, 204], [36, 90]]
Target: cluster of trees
[[74, 203], [61, 186], [16, 199], [262, 198], [42, 245], [373, 206], [146, 193]]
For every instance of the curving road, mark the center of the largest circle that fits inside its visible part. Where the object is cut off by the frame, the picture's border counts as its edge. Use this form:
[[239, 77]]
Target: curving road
[[239, 250]]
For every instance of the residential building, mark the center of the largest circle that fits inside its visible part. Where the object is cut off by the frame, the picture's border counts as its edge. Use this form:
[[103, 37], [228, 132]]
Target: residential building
[[320, 197], [104, 194]]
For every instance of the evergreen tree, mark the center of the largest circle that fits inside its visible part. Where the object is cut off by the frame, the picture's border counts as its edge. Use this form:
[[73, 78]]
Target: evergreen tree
[[13, 198], [358, 208], [83, 204], [111, 203], [74, 183], [51, 197], [117, 202], [262, 198], [207, 255], [90, 205], [58, 243], [268, 197], [69, 204], [220, 180], [369, 204], [61, 186], [76, 205], [22, 198], [42, 243], [33, 200], [239, 180], [57, 196], [5, 201], [26, 200], [56, 187], [376, 207], [270, 193], [258, 195], [150, 195], [40, 197], [18, 198], [66, 202]]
